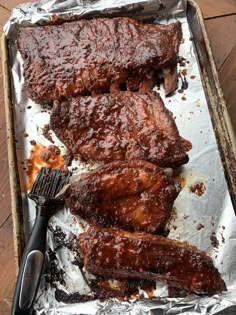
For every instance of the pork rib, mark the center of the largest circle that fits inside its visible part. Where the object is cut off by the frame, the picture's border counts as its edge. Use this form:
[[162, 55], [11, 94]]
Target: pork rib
[[134, 195], [121, 126], [119, 254], [93, 56]]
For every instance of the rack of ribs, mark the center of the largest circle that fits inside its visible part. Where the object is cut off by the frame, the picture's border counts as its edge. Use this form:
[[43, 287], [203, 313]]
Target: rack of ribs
[[120, 126], [134, 195], [119, 254], [95, 56]]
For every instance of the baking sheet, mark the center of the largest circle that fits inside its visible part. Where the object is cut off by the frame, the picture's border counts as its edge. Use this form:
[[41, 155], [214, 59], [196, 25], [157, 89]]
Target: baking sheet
[[213, 209]]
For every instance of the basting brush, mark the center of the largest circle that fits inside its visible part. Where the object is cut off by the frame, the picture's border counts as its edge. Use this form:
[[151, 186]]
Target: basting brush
[[47, 194]]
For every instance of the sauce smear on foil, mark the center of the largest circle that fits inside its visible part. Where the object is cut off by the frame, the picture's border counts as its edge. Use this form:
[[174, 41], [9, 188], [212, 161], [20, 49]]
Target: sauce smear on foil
[[43, 156]]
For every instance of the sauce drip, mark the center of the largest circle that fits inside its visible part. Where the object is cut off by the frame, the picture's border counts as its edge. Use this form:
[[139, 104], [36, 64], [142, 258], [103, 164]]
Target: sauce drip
[[187, 145]]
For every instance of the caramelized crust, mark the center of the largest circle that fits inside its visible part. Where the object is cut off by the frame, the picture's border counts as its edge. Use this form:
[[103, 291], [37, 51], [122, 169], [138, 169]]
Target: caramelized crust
[[95, 56], [121, 126], [119, 254], [134, 195]]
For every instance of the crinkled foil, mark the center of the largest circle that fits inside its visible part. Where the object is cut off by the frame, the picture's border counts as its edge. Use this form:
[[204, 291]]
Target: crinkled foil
[[196, 216]]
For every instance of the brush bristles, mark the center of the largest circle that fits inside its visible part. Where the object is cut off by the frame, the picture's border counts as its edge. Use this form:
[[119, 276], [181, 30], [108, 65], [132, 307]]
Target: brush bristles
[[49, 182]]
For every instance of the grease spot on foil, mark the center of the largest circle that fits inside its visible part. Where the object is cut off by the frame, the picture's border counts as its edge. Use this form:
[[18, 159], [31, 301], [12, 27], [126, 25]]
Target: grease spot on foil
[[198, 189], [200, 226], [181, 180]]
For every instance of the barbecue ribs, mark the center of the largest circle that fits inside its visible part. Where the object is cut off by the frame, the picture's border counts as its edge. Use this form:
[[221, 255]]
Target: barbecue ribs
[[94, 56], [134, 195], [119, 254], [121, 126]]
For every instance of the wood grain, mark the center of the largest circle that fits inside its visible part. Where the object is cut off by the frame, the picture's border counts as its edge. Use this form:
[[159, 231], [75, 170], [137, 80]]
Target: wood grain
[[221, 31], [4, 174], [7, 267], [4, 182], [4, 15], [216, 8], [10, 4]]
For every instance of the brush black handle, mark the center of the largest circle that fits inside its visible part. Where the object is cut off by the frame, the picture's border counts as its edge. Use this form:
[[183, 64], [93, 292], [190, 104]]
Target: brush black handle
[[31, 266]]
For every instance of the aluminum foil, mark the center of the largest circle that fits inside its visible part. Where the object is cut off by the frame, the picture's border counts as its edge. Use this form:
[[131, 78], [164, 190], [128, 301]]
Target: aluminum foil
[[197, 216]]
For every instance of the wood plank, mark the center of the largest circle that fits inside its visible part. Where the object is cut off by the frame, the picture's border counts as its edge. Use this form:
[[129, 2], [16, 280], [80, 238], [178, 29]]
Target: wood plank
[[227, 75], [7, 267], [221, 32], [4, 174], [5, 306], [5, 197], [10, 4], [213, 8], [4, 15]]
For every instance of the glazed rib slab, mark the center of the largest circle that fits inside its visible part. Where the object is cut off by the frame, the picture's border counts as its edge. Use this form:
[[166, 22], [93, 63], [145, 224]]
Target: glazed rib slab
[[95, 56], [119, 254], [133, 195], [120, 126]]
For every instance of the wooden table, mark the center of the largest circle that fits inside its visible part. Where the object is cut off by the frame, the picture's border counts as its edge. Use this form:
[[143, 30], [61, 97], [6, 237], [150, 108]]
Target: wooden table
[[220, 19]]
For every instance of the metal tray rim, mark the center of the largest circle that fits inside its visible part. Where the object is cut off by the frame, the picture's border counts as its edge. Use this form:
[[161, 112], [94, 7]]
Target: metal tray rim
[[16, 209], [17, 215]]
